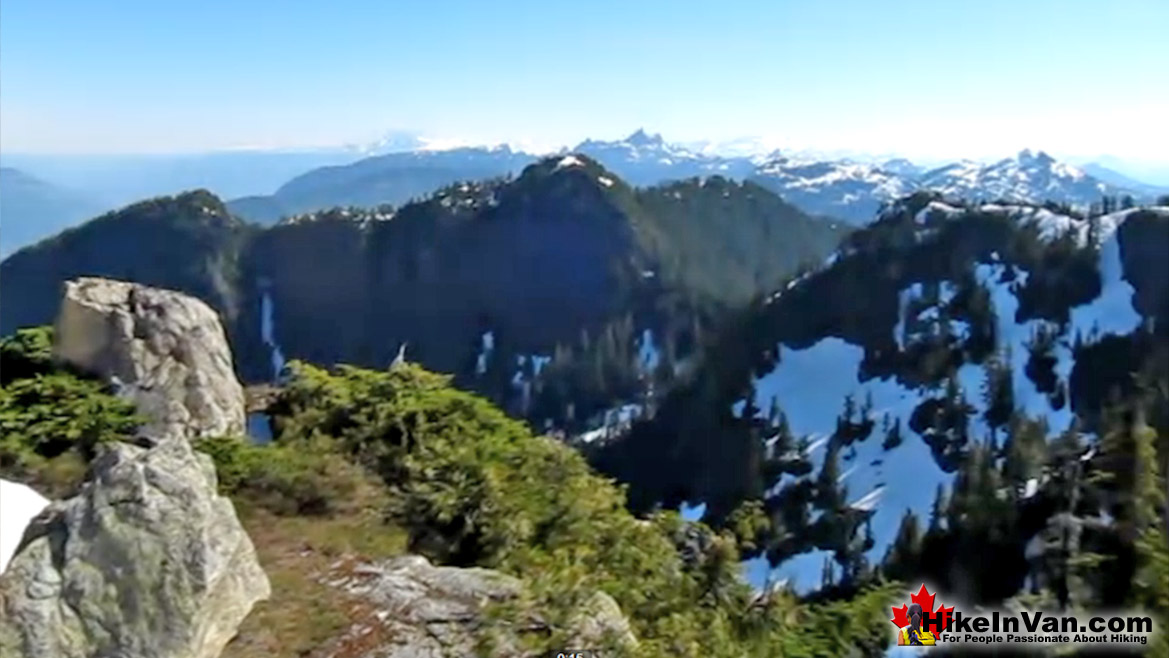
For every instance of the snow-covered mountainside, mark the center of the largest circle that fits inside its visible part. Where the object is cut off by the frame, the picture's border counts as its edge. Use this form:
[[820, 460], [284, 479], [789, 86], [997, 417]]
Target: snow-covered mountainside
[[889, 480], [858, 392], [1032, 177], [855, 191], [644, 159], [848, 190]]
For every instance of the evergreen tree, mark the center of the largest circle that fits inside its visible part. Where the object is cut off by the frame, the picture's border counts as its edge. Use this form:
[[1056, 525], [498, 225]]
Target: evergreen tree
[[938, 511], [904, 555], [998, 390], [1151, 580], [1026, 450], [829, 493]]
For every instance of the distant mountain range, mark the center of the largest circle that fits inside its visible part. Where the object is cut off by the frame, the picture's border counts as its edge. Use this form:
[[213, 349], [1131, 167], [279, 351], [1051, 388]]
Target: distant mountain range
[[404, 166], [31, 209], [849, 190], [393, 178], [1113, 177]]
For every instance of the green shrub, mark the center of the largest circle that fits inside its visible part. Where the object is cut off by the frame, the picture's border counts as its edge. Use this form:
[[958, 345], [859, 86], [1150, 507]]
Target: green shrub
[[474, 487], [26, 353], [46, 416], [306, 479]]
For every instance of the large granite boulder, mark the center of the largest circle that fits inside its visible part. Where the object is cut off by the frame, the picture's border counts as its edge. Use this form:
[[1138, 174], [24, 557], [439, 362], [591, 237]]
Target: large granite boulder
[[165, 351], [418, 610], [148, 560]]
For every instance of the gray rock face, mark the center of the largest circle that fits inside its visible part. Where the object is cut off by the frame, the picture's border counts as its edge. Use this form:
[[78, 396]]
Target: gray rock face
[[424, 611], [147, 561], [165, 351]]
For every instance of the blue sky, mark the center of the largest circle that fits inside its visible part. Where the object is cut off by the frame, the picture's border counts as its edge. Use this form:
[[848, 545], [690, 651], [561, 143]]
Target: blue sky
[[923, 78]]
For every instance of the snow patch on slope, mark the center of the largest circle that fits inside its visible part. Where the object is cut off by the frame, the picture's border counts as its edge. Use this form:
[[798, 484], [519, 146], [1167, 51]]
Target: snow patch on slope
[[834, 366], [18, 505], [268, 331], [487, 345], [569, 161]]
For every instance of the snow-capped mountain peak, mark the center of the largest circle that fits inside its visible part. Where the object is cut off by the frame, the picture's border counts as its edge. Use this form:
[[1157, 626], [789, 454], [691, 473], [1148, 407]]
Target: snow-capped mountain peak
[[642, 139], [1027, 156], [828, 183], [1031, 176]]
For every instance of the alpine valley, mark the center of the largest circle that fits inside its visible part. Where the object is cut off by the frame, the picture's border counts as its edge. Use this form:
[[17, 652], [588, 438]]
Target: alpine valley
[[855, 374]]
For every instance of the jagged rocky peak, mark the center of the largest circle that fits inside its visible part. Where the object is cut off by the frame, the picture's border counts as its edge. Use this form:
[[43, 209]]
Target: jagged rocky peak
[[1028, 156], [642, 138], [165, 351], [149, 528]]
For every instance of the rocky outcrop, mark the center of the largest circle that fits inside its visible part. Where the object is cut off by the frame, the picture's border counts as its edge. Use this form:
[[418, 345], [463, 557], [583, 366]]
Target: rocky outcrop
[[148, 560], [419, 610], [165, 351]]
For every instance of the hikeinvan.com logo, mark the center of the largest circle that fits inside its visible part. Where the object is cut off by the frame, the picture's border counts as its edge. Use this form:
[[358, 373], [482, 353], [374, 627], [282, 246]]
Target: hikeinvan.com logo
[[920, 624]]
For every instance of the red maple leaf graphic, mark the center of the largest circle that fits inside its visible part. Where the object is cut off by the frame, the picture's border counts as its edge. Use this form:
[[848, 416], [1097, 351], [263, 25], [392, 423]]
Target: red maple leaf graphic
[[926, 601], [901, 616]]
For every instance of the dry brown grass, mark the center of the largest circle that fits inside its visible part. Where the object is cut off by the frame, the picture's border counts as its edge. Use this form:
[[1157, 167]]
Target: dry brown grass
[[304, 615]]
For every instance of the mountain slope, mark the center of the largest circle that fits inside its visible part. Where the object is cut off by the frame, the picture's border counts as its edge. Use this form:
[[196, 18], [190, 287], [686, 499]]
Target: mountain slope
[[851, 191], [1028, 177], [32, 209], [188, 243], [119, 179], [1117, 179], [871, 373], [565, 266], [393, 178]]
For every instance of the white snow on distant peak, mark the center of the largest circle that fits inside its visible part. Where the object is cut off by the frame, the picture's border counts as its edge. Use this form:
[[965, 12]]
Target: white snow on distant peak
[[569, 161], [18, 505], [605, 180], [442, 143], [934, 209]]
